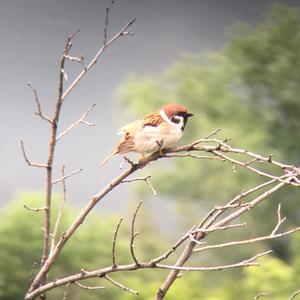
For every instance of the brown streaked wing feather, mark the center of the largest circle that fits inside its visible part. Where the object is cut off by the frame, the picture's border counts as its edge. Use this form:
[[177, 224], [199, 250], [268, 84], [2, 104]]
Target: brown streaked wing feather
[[152, 120]]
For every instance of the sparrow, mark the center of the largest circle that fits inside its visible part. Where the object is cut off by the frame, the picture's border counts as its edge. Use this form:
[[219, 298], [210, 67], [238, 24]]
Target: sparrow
[[153, 132]]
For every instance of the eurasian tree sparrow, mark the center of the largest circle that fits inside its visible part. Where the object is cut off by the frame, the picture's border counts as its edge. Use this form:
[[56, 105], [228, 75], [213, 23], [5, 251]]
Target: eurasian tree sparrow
[[153, 132]]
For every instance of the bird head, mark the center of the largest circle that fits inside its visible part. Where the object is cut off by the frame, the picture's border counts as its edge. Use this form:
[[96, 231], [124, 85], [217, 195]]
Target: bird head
[[177, 114]]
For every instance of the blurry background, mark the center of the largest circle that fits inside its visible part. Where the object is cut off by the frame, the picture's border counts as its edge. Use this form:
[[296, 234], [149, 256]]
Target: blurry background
[[236, 65]]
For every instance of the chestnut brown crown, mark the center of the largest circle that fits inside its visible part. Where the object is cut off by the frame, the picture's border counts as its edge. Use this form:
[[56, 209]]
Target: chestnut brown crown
[[173, 109]]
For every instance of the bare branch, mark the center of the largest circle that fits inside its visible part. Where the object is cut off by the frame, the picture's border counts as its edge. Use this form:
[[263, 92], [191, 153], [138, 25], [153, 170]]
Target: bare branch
[[194, 156], [38, 105], [60, 211], [173, 247], [35, 209], [134, 234], [280, 220], [244, 263], [65, 75], [106, 22], [122, 32], [295, 295], [211, 229], [31, 274], [75, 124], [217, 211], [66, 291], [52, 145], [76, 223], [146, 179], [114, 243], [85, 287], [188, 251], [67, 176], [78, 59], [215, 132], [119, 285], [31, 164], [245, 165], [249, 241], [261, 295], [132, 267]]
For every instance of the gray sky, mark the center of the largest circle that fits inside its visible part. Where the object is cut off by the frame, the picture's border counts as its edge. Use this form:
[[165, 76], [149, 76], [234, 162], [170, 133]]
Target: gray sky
[[31, 37]]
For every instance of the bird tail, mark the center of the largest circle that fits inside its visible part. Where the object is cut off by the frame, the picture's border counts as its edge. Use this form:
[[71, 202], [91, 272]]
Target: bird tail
[[115, 151]]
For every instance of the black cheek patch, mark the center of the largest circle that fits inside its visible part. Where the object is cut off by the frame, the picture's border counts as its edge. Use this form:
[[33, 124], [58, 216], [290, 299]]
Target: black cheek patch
[[175, 120]]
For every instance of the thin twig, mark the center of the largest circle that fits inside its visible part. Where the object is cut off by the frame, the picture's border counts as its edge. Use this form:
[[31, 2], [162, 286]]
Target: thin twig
[[213, 133], [146, 179], [85, 287], [78, 59], [295, 295], [60, 210], [31, 164], [122, 32], [106, 22], [31, 274], [38, 105], [173, 247], [75, 124], [194, 156], [119, 285], [244, 263], [35, 209], [261, 295], [249, 241], [279, 220], [211, 229], [114, 243], [134, 234], [67, 176], [239, 163], [66, 291]]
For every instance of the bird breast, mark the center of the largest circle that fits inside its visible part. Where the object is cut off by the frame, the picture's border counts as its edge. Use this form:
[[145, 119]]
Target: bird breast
[[153, 138]]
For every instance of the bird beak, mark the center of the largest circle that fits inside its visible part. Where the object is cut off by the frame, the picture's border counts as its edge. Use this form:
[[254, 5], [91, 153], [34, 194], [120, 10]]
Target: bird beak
[[188, 115]]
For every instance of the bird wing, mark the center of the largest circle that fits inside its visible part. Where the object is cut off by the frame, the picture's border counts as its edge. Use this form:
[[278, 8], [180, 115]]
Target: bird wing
[[132, 128]]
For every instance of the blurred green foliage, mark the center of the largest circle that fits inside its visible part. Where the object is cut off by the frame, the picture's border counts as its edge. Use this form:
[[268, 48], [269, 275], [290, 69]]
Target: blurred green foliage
[[90, 248]]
